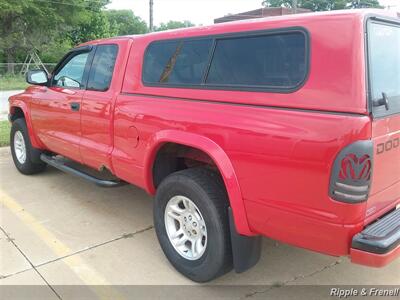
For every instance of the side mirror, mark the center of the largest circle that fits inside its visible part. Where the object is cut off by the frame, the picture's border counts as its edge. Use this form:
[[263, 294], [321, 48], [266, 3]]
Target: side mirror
[[37, 77]]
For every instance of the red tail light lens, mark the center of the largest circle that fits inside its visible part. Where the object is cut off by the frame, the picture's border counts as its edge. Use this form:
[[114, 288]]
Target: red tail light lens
[[351, 173], [355, 168]]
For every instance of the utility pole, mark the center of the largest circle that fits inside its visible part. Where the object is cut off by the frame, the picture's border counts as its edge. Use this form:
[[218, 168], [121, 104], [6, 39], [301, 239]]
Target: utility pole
[[151, 16], [294, 6]]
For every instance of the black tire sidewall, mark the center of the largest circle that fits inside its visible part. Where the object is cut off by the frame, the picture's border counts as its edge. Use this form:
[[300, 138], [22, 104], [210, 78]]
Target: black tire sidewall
[[28, 167], [211, 263]]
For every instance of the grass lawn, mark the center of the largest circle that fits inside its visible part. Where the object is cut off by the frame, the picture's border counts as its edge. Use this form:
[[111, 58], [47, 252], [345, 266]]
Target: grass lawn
[[4, 133], [16, 82]]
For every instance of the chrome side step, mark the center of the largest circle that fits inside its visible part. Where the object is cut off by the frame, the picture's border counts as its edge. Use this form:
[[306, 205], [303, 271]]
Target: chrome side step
[[62, 165]]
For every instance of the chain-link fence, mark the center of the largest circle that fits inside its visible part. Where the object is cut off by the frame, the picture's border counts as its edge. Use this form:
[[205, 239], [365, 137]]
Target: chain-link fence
[[10, 69]]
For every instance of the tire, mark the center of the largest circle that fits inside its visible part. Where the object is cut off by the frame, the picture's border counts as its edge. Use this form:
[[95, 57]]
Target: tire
[[204, 188], [30, 162]]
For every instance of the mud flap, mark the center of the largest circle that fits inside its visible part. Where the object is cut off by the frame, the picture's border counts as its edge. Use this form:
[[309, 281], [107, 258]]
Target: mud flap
[[246, 250]]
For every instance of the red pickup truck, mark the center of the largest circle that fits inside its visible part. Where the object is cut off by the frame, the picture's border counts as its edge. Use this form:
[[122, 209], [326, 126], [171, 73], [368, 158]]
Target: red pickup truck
[[285, 127]]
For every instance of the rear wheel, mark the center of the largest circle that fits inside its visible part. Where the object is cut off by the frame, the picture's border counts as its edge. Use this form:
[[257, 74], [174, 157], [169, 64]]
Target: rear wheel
[[25, 157], [192, 225]]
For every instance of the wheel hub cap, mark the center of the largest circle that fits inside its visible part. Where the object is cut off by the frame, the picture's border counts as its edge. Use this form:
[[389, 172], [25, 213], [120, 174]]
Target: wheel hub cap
[[185, 227], [19, 147]]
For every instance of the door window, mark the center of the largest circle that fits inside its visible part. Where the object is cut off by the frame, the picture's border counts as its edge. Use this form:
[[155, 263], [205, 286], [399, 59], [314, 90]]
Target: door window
[[71, 74], [101, 72]]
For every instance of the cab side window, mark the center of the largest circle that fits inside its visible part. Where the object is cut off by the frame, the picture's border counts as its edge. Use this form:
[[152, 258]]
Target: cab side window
[[253, 61], [102, 69], [276, 61], [71, 73]]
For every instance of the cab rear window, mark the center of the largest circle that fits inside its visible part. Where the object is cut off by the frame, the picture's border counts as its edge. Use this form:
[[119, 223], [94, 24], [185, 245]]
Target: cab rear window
[[384, 67], [266, 61]]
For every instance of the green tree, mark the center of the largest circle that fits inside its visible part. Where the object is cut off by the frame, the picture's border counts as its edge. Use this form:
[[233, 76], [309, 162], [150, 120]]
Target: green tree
[[173, 25], [28, 24], [53, 52], [124, 22], [322, 5], [16, 22], [95, 27], [93, 24], [364, 4]]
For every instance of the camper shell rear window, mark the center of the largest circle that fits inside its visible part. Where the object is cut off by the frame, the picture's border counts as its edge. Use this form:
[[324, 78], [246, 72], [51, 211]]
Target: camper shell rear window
[[384, 66]]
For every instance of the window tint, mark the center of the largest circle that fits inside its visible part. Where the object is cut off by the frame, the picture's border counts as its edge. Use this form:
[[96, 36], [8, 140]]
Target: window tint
[[275, 61], [101, 72], [71, 74], [176, 62], [384, 67]]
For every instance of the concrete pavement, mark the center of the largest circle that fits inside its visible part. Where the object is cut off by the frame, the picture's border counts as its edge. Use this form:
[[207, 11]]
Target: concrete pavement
[[60, 232], [4, 95]]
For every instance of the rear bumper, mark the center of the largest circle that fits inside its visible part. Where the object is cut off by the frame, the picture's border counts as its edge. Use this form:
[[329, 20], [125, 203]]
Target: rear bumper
[[378, 244], [373, 260]]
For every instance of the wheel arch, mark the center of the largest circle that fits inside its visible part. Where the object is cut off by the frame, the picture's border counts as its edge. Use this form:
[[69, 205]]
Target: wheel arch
[[19, 109], [220, 159]]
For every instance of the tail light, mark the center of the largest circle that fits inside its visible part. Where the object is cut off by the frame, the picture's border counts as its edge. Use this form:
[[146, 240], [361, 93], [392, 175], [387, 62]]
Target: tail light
[[351, 173]]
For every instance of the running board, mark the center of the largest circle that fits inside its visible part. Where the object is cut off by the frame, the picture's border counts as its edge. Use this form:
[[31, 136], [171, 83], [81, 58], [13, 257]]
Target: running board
[[61, 165]]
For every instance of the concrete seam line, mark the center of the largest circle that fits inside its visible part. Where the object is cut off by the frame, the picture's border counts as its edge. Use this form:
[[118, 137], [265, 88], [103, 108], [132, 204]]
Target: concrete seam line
[[327, 267], [29, 261], [88, 275], [124, 236], [16, 273], [281, 284]]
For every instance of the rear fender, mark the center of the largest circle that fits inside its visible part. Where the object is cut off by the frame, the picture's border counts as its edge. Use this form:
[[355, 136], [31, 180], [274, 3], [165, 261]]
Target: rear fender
[[220, 159]]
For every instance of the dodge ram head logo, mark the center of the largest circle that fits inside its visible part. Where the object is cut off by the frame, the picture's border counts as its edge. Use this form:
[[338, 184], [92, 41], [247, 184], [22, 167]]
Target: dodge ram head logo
[[355, 168]]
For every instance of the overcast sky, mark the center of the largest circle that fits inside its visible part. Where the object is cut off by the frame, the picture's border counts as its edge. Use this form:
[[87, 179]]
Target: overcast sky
[[198, 11]]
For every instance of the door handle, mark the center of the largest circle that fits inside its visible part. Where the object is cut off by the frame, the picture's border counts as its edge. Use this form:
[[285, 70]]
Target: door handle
[[75, 106]]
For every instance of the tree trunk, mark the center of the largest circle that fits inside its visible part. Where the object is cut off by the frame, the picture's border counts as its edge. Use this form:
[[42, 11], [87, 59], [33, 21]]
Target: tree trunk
[[10, 62]]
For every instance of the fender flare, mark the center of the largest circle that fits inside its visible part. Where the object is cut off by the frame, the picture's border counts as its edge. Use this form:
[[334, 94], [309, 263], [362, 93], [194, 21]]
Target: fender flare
[[220, 159], [22, 105]]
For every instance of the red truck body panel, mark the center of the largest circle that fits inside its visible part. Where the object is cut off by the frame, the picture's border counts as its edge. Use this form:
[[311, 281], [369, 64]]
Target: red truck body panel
[[54, 124], [385, 189], [275, 151]]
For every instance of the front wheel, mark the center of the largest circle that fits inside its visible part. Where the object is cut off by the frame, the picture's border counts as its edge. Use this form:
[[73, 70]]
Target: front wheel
[[192, 225], [26, 158]]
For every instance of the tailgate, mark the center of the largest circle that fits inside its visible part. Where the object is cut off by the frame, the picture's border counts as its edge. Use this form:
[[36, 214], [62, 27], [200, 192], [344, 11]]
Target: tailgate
[[384, 92], [385, 188]]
